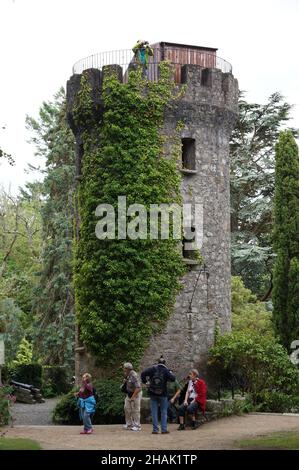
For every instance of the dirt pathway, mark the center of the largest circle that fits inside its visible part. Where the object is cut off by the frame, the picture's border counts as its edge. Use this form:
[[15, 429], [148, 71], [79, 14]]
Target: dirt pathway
[[220, 434]]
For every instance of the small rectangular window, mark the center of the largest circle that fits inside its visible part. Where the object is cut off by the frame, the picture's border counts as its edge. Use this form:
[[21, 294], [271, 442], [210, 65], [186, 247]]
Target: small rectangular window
[[187, 253], [188, 154]]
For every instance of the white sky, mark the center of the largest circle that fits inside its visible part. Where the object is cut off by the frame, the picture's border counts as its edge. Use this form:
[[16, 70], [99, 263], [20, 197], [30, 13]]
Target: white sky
[[41, 39]]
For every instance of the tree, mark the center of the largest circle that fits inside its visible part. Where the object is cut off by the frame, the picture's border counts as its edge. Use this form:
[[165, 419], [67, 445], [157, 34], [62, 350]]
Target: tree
[[24, 353], [249, 314], [13, 319], [7, 156], [252, 155], [20, 242], [53, 298], [286, 240]]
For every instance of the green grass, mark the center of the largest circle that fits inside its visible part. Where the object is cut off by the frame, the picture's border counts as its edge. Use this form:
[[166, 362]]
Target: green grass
[[278, 440], [18, 444]]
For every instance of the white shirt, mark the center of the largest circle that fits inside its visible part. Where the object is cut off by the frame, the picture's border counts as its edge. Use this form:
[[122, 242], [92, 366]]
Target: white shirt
[[192, 393]]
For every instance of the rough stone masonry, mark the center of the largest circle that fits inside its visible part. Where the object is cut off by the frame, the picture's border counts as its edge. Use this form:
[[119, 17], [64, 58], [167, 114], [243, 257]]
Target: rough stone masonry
[[208, 109]]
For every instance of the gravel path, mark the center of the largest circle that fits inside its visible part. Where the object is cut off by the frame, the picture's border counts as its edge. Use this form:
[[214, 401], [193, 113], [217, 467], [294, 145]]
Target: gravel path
[[221, 434], [37, 414]]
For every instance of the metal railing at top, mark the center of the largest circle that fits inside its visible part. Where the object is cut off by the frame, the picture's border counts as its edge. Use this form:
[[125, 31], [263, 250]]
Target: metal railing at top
[[176, 56]]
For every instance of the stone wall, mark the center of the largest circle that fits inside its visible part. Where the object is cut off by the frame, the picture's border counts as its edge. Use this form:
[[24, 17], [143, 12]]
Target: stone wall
[[208, 111]]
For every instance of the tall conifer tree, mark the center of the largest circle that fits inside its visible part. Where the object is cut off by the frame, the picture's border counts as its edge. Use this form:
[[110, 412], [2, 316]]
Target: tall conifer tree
[[286, 240]]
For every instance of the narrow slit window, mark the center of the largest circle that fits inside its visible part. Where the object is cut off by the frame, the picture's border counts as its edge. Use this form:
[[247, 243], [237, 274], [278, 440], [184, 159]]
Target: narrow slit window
[[188, 154]]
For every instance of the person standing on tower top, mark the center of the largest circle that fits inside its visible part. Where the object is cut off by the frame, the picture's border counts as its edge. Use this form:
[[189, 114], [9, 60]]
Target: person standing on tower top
[[143, 51]]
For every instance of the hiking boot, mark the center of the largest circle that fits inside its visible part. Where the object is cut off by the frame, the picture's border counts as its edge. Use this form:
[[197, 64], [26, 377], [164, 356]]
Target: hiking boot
[[194, 425], [165, 432], [155, 432], [181, 427], [89, 431], [83, 432]]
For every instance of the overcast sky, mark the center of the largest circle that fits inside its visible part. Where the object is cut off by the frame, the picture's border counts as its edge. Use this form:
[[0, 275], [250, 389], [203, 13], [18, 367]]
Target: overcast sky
[[41, 39]]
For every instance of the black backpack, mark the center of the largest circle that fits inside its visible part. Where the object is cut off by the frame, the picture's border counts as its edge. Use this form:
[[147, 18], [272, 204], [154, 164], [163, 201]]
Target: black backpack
[[157, 382], [95, 394]]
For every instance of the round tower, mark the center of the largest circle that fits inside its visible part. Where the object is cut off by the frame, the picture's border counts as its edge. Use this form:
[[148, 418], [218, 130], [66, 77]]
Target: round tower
[[206, 111]]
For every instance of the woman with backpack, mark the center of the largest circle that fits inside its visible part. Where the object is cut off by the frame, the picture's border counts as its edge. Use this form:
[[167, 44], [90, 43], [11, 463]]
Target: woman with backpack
[[157, 377]]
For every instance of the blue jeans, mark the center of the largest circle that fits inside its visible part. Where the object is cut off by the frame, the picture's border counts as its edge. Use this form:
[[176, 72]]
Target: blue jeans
[[86, 420], [163, 402], [191, 408]]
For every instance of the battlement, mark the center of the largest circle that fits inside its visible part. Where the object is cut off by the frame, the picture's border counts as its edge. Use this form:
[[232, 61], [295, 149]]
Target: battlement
[[205, 86]]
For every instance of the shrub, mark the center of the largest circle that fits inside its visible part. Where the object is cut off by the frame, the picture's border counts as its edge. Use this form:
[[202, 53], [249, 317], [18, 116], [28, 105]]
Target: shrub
[[259, 363], [66, 410], [109, 408], [237, 407], [278, 402], [24, 353], [54, 381], [5, 401]]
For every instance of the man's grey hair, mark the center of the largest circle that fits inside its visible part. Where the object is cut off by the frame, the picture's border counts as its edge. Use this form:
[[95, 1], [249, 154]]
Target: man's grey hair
[[195, 371], [128, 365]]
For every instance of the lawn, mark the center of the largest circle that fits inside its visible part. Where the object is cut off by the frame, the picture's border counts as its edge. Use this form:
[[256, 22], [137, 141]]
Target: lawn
[[278, 440], [18, 444]]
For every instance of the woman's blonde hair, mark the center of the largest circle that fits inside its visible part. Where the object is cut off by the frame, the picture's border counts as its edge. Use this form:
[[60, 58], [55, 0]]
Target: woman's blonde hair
[[88, 376]]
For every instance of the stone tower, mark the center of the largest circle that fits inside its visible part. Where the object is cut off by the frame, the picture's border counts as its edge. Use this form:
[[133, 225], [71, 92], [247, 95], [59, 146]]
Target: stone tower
[[208, 110]]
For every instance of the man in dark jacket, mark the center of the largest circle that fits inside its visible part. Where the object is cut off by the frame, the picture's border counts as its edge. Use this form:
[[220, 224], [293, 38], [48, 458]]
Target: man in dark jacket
[[156, 377]]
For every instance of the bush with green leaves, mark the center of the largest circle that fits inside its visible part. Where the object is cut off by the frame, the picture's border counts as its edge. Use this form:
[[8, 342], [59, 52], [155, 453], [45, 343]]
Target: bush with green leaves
[[66, 410], [125, 288], [55, 381], [237, 407], [248, 313], [258, 362], [109, 408], [5, 402], [24, 353], [278, 402]]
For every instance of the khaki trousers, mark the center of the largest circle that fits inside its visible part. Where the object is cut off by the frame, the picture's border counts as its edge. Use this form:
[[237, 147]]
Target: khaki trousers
[[132, 410]]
